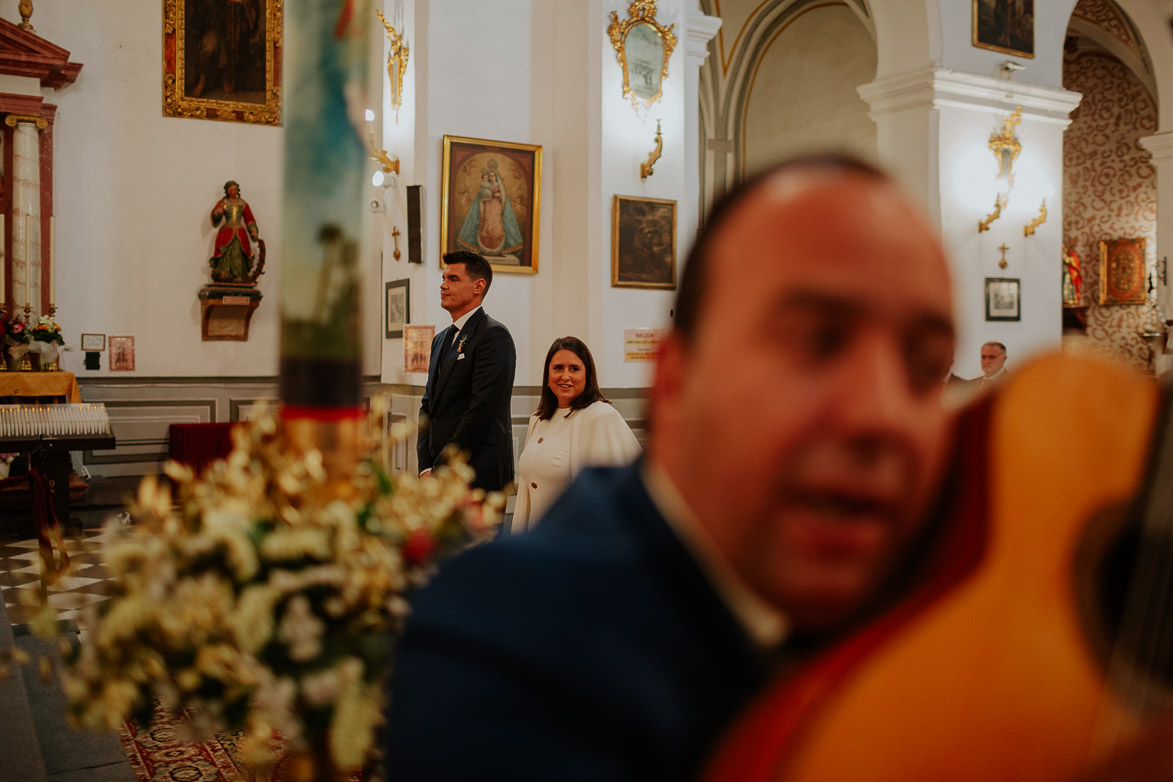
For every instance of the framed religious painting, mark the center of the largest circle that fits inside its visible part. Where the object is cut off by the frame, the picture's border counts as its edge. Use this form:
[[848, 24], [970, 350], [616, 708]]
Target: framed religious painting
[[1122, 271], [398, 304], [490, 201], [643, 242], [1005, 26], [417, 347], [121, 354], [222, 60], [1003, 299]]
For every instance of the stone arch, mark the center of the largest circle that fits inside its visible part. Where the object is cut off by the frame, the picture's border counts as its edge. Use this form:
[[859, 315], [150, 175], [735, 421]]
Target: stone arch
[[727, 77]]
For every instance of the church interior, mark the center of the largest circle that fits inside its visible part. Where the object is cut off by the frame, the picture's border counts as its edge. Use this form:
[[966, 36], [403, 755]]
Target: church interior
[[1037, 137]]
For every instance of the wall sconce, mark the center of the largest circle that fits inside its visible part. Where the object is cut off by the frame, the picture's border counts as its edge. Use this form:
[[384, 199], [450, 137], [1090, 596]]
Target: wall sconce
[[1029, 228], [1006, 148], [396, 63], [388, 176], [645, 169], [999, 201]]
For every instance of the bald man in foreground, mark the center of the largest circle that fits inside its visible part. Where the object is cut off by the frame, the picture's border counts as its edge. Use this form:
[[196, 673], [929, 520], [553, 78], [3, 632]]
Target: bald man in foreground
[[797, 443]]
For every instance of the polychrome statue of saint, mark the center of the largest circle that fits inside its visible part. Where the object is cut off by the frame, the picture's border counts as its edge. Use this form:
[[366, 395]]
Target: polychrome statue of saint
[[233, 258]]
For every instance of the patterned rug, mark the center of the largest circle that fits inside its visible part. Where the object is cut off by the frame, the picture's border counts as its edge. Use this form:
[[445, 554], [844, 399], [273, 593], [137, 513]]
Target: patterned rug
[[157, 755]]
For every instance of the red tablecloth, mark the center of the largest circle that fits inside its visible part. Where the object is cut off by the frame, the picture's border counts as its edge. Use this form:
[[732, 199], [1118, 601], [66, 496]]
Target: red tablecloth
[[197, 444]]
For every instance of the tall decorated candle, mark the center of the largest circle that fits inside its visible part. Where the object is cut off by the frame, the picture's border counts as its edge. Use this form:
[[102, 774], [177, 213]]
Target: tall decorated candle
[[326, 59]]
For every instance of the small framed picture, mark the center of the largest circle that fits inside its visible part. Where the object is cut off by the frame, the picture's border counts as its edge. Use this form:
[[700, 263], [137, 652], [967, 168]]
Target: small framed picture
[[643, 242], [398, 305], [93, 342], [417, 347], [121, 354], [1002, 299]]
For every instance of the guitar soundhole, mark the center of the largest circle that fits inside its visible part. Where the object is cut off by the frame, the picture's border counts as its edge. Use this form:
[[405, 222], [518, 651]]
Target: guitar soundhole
[[1130, 598]]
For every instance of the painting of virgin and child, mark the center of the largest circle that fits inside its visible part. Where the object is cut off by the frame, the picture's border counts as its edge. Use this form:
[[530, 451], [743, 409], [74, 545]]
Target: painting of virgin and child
[[490, 201]]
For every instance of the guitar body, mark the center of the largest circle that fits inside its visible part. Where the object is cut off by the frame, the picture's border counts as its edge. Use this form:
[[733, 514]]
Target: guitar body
[[990, 669]]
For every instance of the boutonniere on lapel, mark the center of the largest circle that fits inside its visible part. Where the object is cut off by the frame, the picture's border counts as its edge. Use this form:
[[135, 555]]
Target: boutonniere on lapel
[[460, 348]]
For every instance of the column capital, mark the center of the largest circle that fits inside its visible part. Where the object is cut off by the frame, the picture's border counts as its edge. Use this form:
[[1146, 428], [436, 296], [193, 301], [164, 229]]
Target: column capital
[[701, 29], [1159, 145], [11, 120], [936, 88]]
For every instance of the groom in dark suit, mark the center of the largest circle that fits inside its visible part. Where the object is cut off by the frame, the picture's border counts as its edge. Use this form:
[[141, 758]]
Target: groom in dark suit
[[797, 438], [470, 379]]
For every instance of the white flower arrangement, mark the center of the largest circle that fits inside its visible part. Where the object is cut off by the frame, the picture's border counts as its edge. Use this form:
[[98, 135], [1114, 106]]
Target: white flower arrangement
[[264, 603]]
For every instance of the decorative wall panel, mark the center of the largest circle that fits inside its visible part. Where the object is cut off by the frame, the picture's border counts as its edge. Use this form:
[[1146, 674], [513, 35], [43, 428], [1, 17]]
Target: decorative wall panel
[[1109, 188]]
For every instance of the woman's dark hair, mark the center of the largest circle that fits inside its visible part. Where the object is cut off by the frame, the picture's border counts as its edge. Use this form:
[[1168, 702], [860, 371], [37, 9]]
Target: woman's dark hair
[[590, 394]]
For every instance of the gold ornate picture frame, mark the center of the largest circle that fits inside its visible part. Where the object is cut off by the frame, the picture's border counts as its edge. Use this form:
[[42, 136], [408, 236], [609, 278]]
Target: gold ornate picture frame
[[1123, 270], [222, 61], [643, 242], [1004, 27], [490, 201], [643, 47]]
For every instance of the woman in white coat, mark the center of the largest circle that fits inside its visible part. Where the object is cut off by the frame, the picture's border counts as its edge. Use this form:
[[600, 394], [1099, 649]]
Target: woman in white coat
[[573, 427]]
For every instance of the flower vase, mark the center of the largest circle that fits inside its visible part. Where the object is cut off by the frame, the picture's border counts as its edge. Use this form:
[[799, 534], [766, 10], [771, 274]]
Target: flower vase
[[34, 360], [12, 363]]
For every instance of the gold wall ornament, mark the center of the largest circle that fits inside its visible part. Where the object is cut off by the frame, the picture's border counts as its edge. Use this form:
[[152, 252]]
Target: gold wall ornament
[[1029, 228], [390, 165], [645, 168], [1003, 263], [643, 47], [1006, 147], [999, 201], [396, 62], [26, 13]]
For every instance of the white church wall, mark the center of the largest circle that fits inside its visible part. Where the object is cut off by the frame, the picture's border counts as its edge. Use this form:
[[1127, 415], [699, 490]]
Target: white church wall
[[133, 191], [627, 140], [539, 73], [967, 193], [481, 74], [1044, 69]]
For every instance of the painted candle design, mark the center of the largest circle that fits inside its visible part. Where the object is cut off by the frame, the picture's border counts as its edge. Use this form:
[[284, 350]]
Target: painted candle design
[[325, 77]]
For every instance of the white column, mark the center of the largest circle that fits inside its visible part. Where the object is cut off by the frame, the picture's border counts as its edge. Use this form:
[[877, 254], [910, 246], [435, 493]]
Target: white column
[[26, 213], [700, 31], [933, 127], [1161, 148]]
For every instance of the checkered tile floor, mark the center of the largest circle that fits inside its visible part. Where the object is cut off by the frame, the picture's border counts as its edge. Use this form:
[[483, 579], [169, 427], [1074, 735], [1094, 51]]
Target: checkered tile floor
[[82, 585]]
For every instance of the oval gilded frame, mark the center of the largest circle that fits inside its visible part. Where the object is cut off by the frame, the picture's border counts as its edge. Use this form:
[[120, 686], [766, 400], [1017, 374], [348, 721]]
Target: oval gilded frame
[[642, 46]]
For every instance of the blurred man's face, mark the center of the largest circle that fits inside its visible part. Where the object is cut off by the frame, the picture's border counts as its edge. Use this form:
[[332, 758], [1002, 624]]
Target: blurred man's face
[[803, 423], [993, 358]]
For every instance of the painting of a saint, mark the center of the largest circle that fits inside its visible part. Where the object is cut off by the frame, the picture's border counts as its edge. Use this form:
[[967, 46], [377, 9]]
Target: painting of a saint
[[490, 201], [643, 243], [1005, 26], [221, 60]]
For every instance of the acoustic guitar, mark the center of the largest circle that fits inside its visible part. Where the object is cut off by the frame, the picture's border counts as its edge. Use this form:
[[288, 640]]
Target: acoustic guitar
[[1040, 640]]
